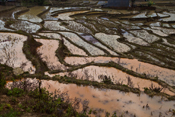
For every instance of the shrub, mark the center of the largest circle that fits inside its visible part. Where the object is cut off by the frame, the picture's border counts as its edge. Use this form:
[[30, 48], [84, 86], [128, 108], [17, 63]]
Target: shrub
[[150, 3], [155, 89], [106, 79], [15, 92]]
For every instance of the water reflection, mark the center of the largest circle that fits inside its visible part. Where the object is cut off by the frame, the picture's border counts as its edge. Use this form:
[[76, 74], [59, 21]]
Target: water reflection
[[11, 53], [31, 15], [114, 100]]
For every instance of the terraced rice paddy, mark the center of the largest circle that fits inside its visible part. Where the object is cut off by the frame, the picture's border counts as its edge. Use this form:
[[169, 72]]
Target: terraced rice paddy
[[98, 46]]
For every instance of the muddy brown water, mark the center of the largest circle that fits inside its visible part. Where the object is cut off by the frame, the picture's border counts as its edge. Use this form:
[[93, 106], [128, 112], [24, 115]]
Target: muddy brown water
[[47, 51], [3, 8], [95, 73], [126, 104], [66, 16], [10, 14], [31, 15], [164, 74]]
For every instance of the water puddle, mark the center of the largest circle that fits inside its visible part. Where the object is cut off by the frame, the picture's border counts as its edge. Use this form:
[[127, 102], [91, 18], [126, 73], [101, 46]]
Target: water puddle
[[2, 8], [143, 34], [26, 26], [156, 24], [129, 27], [31, 15], [158, 32], [138, 16], [112, 11], [96, 10], [93, 15], [48, 16], [165, 30], [101, 3], [90, 26], [166, 25], [91, 39], [47, 54], [107, 23], [95, 73], [148, 56], [130, 38], [127, 22], [66, 16], [77, 40], [125, 104], [51, 35], [169, 19], [77, 27], [74, 49], [163, 74], [166, 48], [55, 9], [141, 15], [10, 14], [167, 43], [111, 40], [11, 53], [54, 25], [2, 24], [162, 15], [104, 28], [152, 14], [173, 25]]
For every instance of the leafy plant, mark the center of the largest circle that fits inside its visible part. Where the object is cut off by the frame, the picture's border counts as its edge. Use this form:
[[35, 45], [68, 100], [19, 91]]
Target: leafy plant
[[17, 92], [155, 89], [107, 80], [13, 100], [11, 113], [150, 3]]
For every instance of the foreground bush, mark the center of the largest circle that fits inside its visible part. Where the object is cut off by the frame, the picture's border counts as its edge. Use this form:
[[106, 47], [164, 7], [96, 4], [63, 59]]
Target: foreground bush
[[38, 100]]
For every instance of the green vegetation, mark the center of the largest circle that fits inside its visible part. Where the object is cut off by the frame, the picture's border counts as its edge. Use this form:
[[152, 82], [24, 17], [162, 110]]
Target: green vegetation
[[16, 102], [15, 92], [107, 80], [107, 84], [150, 3]]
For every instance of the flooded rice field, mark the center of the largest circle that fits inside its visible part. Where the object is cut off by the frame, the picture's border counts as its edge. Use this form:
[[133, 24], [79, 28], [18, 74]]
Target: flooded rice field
[[26, 26], [127, 104], [106, 100], [31, 15], [11, 51], [128, 48]]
